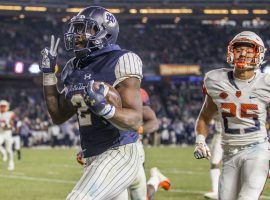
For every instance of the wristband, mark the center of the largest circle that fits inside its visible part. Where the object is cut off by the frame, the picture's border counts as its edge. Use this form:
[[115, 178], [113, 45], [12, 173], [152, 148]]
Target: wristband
[[49, 79], [108, 112], [200, 138]]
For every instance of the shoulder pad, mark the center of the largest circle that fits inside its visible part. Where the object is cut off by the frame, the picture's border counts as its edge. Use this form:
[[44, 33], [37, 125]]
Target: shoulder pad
[[262, 86], [213, 80], [217, 74], [266, 78]]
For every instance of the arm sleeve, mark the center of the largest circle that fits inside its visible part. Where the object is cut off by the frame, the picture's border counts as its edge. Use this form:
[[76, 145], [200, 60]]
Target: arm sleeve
[[128, 65]]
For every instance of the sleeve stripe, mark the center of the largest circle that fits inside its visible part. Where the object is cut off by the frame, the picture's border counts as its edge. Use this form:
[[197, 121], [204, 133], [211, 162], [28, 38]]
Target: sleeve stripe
[[128, 65], [117, 70], [120, 67], [135, 67], [125, 66], [138, 63], [137, 71]]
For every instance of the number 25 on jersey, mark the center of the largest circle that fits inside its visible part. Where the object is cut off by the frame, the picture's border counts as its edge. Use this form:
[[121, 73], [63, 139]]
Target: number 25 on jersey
[[244, 108]]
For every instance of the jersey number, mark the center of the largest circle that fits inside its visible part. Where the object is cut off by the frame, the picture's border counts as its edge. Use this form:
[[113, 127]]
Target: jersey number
[[244, 108], [84, 114]]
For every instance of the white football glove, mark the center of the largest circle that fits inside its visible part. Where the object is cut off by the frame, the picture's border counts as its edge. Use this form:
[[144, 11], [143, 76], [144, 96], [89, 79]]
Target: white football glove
[[201, 148]]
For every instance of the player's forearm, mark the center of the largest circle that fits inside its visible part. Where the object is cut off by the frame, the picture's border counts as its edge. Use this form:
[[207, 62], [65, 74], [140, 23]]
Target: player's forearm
[[127, 118], [202, 126], [52, 96], [207, 112], [59, 108], [150, 126]]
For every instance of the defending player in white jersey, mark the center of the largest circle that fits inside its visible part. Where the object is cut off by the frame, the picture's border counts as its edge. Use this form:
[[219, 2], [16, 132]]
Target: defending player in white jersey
[[216, 156], [240, 95], [6, 124]]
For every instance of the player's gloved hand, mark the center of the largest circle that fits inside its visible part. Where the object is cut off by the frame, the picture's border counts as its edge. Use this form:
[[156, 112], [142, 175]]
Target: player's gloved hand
[[49, 56], [201, 148], [3, 125], [96, 101], [80, 159]]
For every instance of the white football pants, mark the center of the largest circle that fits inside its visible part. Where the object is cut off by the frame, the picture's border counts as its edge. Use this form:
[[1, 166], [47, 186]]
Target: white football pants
[[244, 174], [216, 149], [6, 137], [108, 175], [138, 189]]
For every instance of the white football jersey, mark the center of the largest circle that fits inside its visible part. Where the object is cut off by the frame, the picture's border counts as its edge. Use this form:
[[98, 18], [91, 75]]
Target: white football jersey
[[242, 107], [5, 120]]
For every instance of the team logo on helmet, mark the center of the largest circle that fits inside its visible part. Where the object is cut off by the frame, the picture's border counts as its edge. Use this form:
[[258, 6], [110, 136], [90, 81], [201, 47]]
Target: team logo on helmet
[[109, 19], [80, 16]]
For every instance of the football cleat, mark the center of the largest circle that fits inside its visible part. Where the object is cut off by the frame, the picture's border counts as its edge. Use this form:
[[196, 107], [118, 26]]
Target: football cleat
[[164, 182], [211, 195], [11, 166]]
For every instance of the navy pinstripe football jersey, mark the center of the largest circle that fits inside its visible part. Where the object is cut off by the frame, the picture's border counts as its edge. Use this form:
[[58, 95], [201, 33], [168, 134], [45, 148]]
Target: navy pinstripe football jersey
[[111, 65]]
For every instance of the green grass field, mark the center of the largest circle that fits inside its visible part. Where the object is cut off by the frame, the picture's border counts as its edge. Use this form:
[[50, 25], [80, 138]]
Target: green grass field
[[50, 174]]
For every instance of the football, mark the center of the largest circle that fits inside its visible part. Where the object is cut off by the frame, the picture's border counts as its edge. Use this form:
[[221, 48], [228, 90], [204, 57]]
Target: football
[[111, 94]]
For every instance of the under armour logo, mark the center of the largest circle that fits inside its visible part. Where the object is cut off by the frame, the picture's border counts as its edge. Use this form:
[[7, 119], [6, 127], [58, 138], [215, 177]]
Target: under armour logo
[[92, 102], [87, 76]]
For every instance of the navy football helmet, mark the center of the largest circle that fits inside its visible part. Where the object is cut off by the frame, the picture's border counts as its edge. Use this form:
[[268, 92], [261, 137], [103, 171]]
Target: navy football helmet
[[91, 29]]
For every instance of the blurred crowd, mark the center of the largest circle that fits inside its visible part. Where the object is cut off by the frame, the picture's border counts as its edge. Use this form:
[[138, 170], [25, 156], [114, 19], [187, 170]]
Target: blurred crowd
[[34, 124], [188, 42]]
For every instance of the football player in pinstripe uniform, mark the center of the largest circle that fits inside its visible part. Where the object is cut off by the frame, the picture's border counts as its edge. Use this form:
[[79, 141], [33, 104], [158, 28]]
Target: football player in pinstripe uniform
[[112, 157], [139, 186]]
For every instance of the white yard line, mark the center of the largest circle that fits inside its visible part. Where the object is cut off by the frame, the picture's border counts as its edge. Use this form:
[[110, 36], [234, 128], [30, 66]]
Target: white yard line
[[177, 171], [202, 192], [28, 178], [187, 191]]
